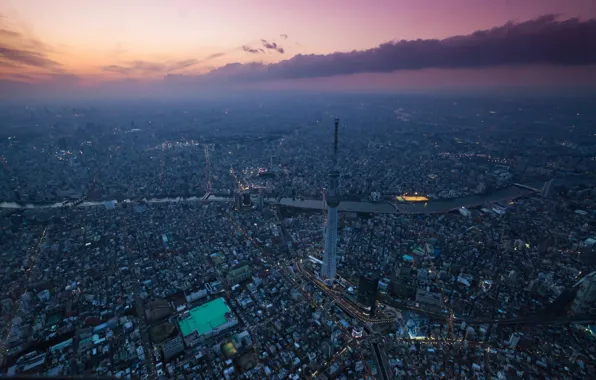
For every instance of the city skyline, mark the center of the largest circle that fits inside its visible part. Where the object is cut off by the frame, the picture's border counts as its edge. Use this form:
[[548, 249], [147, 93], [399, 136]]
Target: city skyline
[[398, 45]]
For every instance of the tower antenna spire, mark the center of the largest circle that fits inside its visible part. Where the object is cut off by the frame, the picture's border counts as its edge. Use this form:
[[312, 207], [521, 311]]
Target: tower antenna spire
[[336, 135]]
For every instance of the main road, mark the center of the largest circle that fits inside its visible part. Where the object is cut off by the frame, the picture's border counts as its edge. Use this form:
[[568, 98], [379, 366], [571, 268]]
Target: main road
[[381, 361], [340, 301], [535, 319]]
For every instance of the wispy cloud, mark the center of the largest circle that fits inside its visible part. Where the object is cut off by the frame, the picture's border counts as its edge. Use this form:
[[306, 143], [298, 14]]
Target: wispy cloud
[[9, 33], [147, 67], [273, 46], [21, 77], [9, 65], [213, 56], [143, 67], [544, 40], [251, 50], [117, 69], [179, 65], [29, 58], [22, 49]]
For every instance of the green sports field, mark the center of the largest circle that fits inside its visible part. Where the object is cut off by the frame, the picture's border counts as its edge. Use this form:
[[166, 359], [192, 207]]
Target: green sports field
[[205, 318]]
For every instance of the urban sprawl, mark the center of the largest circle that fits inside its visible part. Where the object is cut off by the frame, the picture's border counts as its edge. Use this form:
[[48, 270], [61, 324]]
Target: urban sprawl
[[416, 237]]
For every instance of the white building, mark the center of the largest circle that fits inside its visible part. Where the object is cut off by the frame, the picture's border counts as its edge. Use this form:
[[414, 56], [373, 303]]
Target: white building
[[428, 298], [195, 295], [514, 340]]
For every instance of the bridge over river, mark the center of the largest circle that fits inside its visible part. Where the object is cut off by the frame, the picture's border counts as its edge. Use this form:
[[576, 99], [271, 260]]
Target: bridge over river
[[438, 206], [430, 207]]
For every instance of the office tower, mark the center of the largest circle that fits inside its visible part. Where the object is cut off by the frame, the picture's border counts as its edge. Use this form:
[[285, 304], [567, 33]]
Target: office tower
[[332, 199], [514, 340], [367, 292], [585, 299], [173, 347], [261, 200], [246, 201], [238, 201]]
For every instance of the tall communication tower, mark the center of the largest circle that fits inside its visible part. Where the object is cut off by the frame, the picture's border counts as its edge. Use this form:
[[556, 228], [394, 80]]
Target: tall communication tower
[[332, 198]]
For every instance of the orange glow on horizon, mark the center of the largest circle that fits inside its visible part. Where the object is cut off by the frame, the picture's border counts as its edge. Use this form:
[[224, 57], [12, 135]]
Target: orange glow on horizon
[[145, 40]]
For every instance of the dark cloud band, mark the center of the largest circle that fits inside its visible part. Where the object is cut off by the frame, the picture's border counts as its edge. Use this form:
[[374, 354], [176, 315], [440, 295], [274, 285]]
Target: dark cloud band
[[25, 57], [545, 40]]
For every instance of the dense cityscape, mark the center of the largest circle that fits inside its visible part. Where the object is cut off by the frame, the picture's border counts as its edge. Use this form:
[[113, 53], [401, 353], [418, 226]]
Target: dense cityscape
[[346, 236]]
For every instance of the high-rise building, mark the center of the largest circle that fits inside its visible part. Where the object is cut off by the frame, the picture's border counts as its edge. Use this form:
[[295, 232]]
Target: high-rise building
[[261, 200], [237, 201], [585, 299], [367, 292], [172, 347], [514, 340], [241, 273], [429, 298], [246, 201], [332, 198]]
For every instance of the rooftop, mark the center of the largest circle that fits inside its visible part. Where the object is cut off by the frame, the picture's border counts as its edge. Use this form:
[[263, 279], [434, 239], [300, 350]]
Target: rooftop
[[205, 318]]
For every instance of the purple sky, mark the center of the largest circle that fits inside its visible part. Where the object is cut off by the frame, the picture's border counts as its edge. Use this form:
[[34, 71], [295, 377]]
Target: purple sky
[[135, 46]]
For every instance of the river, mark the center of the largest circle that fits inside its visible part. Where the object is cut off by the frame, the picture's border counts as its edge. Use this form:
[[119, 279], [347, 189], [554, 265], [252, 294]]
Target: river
[[29, 206], [437, 206]]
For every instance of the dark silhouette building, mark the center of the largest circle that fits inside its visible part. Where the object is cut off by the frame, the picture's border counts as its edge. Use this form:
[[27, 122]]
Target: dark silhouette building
[[367, 292], [242, 200], [238, 201], [246, 201]]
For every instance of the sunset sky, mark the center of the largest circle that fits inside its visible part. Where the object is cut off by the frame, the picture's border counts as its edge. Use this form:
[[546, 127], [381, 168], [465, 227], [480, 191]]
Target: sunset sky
[[82, 44]]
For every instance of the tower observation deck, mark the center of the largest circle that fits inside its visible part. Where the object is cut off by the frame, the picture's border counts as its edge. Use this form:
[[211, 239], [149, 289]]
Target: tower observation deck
[[332, 198]]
